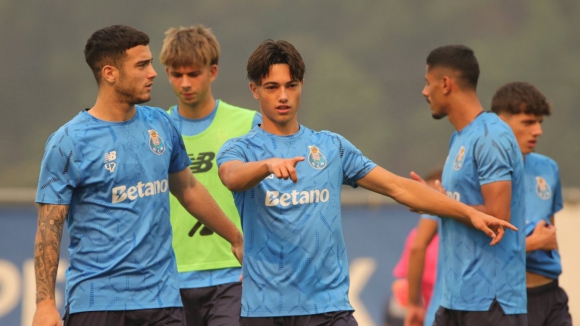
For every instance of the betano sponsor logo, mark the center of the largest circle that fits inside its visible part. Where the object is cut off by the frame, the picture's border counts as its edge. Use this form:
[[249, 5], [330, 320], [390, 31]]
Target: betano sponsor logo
[[122, 193], [296, 197]]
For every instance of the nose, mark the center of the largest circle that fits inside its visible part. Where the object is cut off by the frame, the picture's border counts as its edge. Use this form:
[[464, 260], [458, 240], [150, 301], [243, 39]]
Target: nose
[[185, 82], [283, 97], [424, 91], [152, 73], [538, 130]]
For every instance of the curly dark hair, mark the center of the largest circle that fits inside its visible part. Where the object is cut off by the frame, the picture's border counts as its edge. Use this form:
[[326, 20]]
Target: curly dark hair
[[520, 97]]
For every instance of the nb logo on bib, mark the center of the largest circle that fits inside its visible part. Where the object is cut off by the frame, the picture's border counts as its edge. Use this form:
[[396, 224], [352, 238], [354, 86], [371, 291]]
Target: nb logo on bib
[[201, 163]]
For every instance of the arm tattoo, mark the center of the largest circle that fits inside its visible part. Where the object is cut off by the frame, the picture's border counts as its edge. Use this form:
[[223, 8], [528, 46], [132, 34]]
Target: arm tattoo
[[47, 248]]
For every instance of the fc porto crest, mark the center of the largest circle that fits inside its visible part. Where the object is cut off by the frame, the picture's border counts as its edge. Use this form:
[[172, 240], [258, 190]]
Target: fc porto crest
[[543, 189], [316, 159], [458, 163], [156, 143]]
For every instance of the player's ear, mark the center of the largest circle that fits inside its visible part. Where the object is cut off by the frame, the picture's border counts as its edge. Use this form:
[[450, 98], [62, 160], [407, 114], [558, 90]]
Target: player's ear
[[109, 73], [213, 72], [446, 84], [254, 89]]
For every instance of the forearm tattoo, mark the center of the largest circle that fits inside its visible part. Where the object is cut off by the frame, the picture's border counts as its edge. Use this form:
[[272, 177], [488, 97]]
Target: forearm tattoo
[[47, 248]]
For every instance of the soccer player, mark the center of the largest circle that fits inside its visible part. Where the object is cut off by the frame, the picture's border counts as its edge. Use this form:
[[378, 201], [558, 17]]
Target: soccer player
[[482, 285], [209, 275], [523, 107], [107, 173], [287, 183]]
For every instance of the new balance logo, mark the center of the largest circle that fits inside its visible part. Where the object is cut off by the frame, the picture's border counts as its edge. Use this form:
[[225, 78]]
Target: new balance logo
[[110, 157], [201, 163], [274, 197], [122, 193]]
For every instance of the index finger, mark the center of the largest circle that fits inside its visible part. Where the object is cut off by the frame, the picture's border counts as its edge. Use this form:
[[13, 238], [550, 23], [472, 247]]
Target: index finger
[[507, 225], [297, 159]]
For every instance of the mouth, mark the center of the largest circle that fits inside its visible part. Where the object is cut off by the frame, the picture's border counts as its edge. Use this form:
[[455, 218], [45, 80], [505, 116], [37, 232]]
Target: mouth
[[283, 109], [148, 86]]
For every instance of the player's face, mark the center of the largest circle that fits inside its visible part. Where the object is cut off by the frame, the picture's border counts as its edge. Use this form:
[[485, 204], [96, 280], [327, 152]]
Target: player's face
[[191, 84], [433, 93], [526, 127], [136, 76], [279, 98]]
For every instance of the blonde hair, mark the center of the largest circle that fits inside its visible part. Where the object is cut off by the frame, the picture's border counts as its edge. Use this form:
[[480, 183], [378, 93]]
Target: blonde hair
[[189, 46]]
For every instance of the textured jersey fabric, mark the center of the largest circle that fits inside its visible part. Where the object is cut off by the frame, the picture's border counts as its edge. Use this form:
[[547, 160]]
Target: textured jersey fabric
[[114, 177], [295, 259], [543, 200], [473, 272]]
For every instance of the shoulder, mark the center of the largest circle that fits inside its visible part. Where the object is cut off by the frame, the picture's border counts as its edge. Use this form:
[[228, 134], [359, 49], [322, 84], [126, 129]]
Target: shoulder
[[153, 112], [543, 160], [68, 130], [236, 109]]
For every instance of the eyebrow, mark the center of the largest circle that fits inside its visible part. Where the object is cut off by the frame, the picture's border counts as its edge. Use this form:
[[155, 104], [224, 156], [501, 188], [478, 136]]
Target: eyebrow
[[144, 61]]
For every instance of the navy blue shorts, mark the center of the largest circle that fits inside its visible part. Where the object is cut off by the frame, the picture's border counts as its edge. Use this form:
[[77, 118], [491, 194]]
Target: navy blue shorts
[[217, 305], [493, 317], [172, 316], [335, 318], [548, 305]]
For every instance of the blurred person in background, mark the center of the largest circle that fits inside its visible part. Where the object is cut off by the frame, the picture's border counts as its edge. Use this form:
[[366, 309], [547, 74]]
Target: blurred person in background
[[209, 275], [484, 169], [523, 107], [107, 173], [420, 249], [287, 182]]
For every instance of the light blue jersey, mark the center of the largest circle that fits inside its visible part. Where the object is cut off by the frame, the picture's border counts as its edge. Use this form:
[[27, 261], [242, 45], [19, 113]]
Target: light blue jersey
[[295, 259], [543, 200], [114, 177], [437, 288], [473, 272]]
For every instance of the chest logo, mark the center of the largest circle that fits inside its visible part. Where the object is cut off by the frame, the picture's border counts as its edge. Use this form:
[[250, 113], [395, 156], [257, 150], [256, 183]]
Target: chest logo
[[316, 159], [156, 142], [543, 189], [458, 163], [108, 161]]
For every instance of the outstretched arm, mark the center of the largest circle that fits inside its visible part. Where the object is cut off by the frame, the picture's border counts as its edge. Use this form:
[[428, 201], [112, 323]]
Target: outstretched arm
[[240, 176], [426, 231], [195, 198], [51, 220], [422, 198]]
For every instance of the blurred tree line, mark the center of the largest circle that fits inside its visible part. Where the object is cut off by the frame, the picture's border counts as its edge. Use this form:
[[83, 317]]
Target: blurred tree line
[[365, 65]]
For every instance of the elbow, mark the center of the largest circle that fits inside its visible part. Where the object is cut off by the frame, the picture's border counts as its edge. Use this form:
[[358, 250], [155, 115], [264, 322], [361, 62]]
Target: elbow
[[228, 180]]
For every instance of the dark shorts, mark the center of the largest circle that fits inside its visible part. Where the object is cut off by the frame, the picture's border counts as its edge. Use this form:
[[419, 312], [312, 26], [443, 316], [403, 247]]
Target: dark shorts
[[493, 317], [218, 305], [335, 318], [172, 316], [548, 305]]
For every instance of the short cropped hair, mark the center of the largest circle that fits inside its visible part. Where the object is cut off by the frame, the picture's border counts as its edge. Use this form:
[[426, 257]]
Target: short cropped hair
[[274, 52], [459, 58], [520, 97], [108, 46], [190, 46]]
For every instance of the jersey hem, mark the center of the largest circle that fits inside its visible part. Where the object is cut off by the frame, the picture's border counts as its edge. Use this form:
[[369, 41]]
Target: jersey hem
[[73, 310], [207, 266], [258, 314]]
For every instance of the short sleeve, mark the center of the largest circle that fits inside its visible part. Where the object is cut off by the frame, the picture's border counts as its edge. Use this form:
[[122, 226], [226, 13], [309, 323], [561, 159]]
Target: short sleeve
[[59, 170], [179, 158], [493, 156], [354, 164], [430, 217], [231, 150]]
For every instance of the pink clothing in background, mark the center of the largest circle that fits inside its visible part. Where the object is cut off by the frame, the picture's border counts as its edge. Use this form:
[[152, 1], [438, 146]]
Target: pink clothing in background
[[400, 286]]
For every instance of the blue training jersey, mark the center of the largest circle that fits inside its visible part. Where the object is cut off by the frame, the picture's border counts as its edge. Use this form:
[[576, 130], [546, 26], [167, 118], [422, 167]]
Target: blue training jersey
[[437, 290], [295, 259], [114, 177], [543, 200], [473, 272]]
